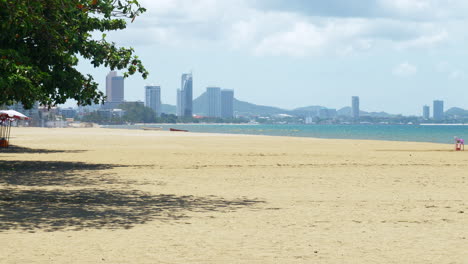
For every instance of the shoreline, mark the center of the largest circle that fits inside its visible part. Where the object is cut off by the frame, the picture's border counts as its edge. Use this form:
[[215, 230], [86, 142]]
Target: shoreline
[[303, 129], [227, 134]]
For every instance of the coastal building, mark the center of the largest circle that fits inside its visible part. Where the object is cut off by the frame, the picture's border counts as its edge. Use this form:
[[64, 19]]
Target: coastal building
[[438, 109], [114, 87], [213, 106], [153, 98], [227, 103], [185, 96], [110, 113], [426, 111], [68, 112], [114, 91], [109, 84], [180, 103], [355, 107]]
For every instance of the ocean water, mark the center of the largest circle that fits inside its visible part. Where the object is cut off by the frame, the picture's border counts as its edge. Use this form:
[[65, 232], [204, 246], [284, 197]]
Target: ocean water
[[415, 133]]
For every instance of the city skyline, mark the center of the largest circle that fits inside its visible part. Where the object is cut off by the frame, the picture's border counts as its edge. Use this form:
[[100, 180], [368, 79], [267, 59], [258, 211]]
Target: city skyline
[[220, 101], [410, 52]]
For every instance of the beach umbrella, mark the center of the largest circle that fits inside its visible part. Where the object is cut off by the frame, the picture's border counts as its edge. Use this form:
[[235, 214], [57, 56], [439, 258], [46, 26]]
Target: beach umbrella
[[6, 117]]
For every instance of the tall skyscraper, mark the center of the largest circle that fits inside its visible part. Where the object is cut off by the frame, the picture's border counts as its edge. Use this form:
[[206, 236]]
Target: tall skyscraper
[[355, 107], [213, 101], [438, 109], [180, 103], [426, 111], [185, 96], [227, 103], [109, 84], [114, 88], [153, 98]]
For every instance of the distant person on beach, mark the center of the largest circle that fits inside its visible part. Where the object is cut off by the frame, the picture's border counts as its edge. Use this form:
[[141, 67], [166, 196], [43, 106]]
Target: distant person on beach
[[459, 143]]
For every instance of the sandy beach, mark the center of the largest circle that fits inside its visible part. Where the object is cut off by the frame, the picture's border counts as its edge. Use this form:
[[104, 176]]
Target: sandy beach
[[100, 195]]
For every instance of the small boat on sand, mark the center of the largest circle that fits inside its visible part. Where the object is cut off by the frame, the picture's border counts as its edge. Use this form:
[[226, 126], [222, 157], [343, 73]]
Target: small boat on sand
[[179, 130]]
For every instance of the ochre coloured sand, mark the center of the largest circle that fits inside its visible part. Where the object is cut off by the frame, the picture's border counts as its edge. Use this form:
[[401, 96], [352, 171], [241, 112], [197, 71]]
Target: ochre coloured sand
[[99, 195]]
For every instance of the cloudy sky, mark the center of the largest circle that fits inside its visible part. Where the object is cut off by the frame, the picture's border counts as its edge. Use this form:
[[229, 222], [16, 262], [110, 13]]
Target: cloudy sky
[[396, 55]]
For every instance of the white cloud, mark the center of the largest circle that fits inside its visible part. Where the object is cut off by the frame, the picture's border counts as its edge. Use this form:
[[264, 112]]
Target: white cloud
[[452, 72], [409, 10], [456, 75], [303, 38], [407, 7], [240, 24], [424, 41], [405, 69]]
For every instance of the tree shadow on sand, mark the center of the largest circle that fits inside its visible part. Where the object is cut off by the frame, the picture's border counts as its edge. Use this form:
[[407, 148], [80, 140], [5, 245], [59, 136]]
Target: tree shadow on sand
[[25, 150], [81, 198], [33, 210], [46, 173]]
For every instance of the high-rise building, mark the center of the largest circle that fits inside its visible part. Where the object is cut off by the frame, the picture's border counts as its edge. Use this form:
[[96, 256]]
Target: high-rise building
[[355, 107], [213, 106], [153, 98], [114, 88], [426, 111], [185, 96], [109, 84], [118, 89], [227, 103], [180, 103], [438, 109]]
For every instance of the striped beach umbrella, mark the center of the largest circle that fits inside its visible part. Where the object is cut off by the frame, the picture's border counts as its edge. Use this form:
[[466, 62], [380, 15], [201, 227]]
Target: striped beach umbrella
[[6, 118]]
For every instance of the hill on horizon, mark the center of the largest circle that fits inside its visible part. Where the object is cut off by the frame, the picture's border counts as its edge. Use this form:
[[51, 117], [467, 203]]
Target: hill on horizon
[[244, 108], [456, 111], [240, 107], [307, 110]]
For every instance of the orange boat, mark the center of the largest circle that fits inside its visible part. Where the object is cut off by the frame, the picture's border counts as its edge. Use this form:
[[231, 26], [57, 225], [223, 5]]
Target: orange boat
[[179, 130]]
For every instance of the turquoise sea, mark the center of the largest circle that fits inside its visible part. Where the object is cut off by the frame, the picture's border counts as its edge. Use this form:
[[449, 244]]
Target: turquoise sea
[[416, 133]]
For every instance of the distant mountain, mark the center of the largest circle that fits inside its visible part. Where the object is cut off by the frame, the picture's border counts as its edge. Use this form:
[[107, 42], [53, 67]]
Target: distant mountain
[[345, 111], [456, 111], [307, 111], [375, 114], [240, 108], [168, 109], [199, 104], [243, 108], [348, 111]]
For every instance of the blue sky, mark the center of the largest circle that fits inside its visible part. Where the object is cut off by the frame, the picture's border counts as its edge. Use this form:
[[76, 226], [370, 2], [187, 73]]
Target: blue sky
[[397, 55]]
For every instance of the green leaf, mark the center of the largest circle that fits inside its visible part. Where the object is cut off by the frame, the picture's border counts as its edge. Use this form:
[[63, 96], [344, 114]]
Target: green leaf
[[40, 42]]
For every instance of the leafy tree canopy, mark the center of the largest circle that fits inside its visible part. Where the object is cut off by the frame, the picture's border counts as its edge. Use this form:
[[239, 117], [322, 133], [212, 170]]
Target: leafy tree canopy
[[40, 41], [138, 113]]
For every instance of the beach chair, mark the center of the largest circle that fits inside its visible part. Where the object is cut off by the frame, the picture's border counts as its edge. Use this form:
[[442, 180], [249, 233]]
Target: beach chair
[[459, 144]]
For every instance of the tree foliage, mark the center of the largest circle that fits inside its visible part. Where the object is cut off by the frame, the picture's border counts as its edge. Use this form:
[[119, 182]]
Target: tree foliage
[[138, 113], [40, 42]]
